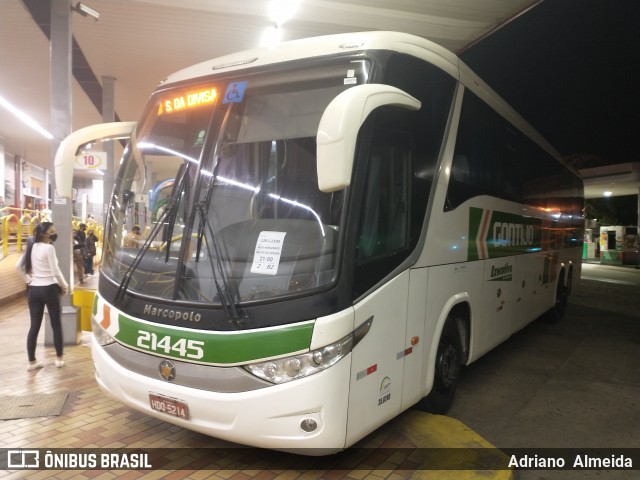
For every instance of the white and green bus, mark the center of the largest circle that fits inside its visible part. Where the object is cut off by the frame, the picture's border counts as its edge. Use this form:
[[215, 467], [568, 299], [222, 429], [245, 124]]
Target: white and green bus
[[332, 228]]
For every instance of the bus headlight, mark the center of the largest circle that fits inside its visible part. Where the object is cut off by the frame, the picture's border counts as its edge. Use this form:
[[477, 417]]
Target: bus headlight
[[283, 370], [100, 334]]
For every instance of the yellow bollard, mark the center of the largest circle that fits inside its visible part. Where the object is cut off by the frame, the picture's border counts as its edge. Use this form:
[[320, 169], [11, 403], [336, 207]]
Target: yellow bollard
[[83, 299]]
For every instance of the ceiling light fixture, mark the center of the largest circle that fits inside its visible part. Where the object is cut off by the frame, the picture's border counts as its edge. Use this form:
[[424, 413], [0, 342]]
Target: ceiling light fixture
[[86, 11], [271, 37], [607, 193], [25, 118], [282, 10]]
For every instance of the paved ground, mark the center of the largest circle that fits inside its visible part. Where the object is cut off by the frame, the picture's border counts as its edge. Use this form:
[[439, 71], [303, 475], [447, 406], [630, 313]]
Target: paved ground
[[575, 384]]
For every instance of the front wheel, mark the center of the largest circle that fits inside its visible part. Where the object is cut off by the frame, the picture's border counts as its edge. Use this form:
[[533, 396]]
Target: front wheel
[[447, 370]]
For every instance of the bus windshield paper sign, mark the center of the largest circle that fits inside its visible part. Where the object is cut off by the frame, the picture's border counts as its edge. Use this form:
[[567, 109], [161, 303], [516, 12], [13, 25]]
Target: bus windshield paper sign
[[266, 257]]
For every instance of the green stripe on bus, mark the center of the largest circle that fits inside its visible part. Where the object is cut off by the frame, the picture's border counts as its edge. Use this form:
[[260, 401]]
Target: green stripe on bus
[[219, 348], [475, 217], [507, 234]]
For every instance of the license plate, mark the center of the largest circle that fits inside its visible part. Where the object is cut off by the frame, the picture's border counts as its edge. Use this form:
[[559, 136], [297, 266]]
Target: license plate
[[170, 406]]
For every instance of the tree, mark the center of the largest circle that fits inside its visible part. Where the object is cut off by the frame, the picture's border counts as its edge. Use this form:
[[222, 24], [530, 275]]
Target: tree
[[613, 210]]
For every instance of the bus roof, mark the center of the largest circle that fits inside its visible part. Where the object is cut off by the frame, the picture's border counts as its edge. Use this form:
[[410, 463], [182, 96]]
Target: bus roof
[[361, 41], [321, 46]]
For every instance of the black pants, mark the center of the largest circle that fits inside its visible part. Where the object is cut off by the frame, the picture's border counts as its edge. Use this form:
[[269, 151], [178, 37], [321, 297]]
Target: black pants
[[38, 298], [88, 264]]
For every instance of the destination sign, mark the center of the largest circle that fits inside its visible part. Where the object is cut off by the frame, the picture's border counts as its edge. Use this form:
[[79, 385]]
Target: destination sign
[[187, 100]]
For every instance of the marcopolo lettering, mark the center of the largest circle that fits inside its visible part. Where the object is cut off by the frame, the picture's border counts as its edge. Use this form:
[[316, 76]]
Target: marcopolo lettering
[[171, 314], [512, 234]]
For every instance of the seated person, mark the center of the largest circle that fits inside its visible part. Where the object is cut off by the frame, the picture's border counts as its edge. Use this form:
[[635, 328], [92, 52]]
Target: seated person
[[133, 239]]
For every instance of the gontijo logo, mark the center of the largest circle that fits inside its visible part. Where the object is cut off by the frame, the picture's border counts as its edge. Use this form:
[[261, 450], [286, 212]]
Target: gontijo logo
[[512, 234], [495, 234]]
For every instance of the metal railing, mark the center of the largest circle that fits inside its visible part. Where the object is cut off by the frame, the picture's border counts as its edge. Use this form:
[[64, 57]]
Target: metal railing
[[17, 224]]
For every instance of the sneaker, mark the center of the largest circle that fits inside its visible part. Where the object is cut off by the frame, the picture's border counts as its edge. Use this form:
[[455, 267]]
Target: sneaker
[[35, 365], [59, 362]]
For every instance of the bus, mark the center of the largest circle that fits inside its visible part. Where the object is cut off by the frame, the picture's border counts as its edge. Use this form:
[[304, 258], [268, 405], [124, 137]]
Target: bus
[[331, 230]]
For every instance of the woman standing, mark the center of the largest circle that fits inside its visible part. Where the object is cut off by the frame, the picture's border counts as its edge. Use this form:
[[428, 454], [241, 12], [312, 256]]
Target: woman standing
[[39, 268]]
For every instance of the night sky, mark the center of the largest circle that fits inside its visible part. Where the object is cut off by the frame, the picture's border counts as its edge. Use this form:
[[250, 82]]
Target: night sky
[[572, 69]]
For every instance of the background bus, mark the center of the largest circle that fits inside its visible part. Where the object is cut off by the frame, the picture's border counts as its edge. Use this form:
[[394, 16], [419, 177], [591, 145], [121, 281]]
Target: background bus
[[351, 219]]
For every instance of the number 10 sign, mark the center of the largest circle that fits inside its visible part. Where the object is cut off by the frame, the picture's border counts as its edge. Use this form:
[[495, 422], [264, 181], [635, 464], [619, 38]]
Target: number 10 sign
[[91, 160]]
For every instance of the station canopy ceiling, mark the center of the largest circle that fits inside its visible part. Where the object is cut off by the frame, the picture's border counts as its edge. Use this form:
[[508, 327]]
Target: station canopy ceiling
[[139, 42], [612, 180]]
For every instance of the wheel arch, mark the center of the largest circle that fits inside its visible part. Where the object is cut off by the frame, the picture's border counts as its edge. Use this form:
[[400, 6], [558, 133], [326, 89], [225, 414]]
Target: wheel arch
[[568, 279], [459, 304], [458, 310]]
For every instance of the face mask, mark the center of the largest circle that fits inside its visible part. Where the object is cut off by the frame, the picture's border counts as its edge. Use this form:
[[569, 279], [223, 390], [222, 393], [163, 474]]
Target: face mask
[[53, 237]]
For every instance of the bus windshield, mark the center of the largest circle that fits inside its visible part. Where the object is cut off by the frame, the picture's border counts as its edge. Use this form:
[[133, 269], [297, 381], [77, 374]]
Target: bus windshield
[[217, 201]]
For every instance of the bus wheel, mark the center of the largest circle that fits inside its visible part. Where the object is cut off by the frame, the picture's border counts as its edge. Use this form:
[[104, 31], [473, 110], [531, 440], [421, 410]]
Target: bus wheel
[[447, 370], [554, 315]]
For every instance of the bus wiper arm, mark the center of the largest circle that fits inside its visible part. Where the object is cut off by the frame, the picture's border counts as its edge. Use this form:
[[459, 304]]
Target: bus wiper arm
[[226, 293], [171, 214], [126, 279], [172, 211]]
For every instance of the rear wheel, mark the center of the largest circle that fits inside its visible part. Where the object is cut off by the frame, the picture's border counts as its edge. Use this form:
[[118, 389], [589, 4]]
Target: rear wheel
[[447, 370], [554, 315]]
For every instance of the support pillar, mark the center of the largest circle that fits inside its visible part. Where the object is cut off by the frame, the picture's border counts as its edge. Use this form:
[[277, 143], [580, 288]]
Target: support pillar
[[62, 207], [108, 115]]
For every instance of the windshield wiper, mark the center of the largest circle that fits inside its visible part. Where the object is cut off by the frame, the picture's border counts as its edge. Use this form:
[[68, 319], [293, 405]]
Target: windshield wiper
[[228, 295], [171, 213], [126, 279], [178, 191]]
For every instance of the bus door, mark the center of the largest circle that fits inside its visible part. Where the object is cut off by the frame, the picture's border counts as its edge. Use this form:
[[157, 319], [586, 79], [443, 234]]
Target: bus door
[[384, 240], [375, 391], [385, 172]]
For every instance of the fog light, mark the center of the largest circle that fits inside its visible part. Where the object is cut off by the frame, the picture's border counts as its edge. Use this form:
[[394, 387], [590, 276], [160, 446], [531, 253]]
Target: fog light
[[308, 425]]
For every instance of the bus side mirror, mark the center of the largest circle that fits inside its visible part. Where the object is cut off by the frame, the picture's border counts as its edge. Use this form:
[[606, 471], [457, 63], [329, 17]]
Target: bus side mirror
[[66, 154], [339, 127]]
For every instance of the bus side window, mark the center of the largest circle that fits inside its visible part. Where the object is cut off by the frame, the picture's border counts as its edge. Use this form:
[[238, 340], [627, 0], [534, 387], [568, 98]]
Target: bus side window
[[490, 157], [479, 157]]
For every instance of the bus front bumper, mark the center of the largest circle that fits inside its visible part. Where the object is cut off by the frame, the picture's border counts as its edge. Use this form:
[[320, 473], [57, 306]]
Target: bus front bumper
[[308, 414]]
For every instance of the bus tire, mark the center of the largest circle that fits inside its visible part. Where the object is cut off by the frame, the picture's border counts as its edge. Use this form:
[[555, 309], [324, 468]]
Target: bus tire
[[558, 310], [447, 370]]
